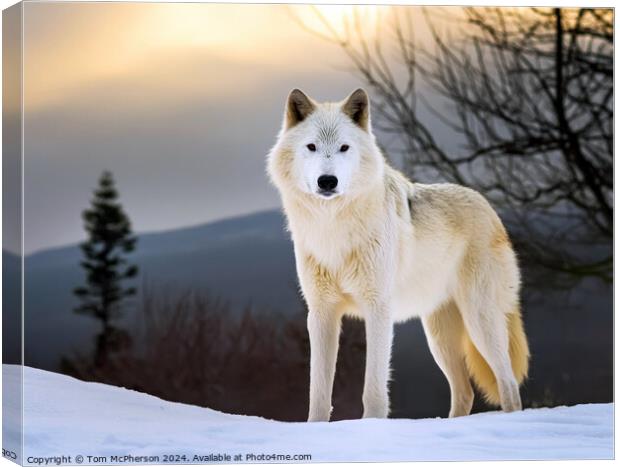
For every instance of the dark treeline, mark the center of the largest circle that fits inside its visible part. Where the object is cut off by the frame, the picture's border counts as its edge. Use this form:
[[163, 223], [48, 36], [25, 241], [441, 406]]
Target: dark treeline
[[192, 349]]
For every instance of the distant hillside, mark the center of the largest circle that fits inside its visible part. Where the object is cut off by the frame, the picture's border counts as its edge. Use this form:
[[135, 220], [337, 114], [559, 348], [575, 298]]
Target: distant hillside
[[11, 316], [246, 261]]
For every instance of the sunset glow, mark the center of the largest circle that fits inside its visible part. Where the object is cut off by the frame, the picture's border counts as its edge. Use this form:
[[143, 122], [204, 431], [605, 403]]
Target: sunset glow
[[90, 44], [339, 19], [200, 87]]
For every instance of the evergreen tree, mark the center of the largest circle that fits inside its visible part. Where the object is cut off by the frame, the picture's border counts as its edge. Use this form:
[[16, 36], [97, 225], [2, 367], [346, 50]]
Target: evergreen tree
[[109, 240]]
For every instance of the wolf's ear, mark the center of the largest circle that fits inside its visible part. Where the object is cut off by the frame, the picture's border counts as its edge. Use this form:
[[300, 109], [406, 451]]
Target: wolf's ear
[[298, 107], [356, 107]]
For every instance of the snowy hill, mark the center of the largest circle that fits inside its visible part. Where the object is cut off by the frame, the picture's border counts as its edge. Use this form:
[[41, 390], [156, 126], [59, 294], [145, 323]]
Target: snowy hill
[[65, 416]]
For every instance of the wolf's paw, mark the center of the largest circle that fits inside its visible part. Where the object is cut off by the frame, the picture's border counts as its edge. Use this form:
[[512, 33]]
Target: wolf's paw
[[378, 408], [509, 396], [320, 415]]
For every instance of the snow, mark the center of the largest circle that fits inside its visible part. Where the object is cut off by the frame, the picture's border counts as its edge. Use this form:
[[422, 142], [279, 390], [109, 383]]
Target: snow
[[65, 416]]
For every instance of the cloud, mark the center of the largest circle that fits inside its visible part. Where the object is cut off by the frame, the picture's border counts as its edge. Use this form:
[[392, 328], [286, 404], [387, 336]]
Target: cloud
[[181, 101], [185, 127]]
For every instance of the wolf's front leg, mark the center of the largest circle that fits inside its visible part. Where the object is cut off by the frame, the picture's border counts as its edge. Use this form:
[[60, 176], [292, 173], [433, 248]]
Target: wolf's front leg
[[324, 331], [379, 330]]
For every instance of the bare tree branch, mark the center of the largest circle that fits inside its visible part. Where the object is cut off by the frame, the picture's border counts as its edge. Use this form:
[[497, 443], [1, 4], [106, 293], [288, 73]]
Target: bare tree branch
[[530, 94]]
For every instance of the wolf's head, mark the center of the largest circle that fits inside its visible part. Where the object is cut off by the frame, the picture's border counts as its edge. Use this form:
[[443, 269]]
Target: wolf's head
[[326, 150]]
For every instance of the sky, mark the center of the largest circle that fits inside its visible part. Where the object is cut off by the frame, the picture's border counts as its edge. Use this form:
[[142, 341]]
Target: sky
[[182, 102]]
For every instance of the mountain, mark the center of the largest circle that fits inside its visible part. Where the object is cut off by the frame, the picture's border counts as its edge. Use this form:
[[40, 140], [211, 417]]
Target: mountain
[[245, 261]]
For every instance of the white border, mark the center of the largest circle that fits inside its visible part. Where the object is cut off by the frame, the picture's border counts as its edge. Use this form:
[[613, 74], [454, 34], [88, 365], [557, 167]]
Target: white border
[[565, 3]]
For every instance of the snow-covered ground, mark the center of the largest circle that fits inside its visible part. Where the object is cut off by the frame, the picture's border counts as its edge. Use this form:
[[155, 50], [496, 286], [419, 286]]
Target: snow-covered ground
[[64, 416]]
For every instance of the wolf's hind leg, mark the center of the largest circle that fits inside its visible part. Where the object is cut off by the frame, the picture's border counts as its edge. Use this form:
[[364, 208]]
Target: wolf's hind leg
[[486, 322], [444, 331]]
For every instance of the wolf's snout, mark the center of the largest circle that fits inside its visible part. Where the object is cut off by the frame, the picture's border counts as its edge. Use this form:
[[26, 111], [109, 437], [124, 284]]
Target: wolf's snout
[[327, 182]]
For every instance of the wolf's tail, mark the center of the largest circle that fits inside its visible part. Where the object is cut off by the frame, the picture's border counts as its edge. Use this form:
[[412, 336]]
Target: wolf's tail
[[519, 357]]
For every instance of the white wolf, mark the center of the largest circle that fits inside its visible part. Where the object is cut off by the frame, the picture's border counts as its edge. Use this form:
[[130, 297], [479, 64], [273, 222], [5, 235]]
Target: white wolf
[[371, 244]]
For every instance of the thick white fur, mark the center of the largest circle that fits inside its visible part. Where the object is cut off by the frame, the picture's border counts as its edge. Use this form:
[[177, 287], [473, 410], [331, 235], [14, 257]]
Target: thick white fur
[[387, 250]]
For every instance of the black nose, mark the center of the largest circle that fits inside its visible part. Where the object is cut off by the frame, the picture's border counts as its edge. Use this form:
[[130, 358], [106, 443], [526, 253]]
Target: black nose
[[327, 182]]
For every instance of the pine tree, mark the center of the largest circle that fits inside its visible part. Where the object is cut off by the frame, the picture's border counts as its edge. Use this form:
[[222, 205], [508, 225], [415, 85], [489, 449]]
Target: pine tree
[[109, 240]]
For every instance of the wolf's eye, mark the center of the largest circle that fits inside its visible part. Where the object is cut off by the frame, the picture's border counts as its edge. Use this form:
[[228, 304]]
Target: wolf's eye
[[311, 147], [344, 148]]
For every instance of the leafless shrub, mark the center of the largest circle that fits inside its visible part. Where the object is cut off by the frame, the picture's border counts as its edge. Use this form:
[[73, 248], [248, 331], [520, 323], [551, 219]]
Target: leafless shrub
[[194, 349]]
